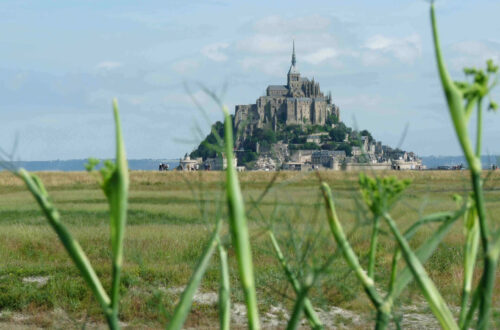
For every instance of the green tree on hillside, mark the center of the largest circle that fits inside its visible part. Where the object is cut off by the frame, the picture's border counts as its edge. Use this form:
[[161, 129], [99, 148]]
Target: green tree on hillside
[[208, 147], [346, 147], [331, 119], [329, 146], [338, 133]]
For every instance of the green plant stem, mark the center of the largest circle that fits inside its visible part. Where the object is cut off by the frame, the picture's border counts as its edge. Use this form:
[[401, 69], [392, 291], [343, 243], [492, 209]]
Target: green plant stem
[[454, 98], [458, 114], [481, 211], [74, 249], [488, 282], [311, 315], [394, 272], [117, 193], [472, 308], [383, 319], [470, 255], [398, 283], [239, 228], [373, 246], [294, 321], [384, 308], [184, 306], [347, 251], [224, 291], [432, 218], [487, 287], [490, 262], [434, 298], [425, 250], [479, 129]]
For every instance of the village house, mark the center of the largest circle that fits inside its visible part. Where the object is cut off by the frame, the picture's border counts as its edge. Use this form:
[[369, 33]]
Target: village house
[[210, 164], [188, 164], [326, 158]]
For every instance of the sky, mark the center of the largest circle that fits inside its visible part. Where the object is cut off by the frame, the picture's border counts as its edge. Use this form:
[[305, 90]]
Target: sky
[[62, 63]]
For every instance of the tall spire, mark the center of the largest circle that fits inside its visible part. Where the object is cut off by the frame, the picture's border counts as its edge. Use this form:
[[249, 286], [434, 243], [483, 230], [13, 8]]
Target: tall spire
[[293, 68]]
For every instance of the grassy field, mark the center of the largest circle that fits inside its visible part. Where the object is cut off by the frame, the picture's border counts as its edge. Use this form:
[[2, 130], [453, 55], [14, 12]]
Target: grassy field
[[170, 218]]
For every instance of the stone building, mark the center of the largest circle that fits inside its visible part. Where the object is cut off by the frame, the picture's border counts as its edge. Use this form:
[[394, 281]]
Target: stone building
[[316, 137], [327, 158], [217, 163], [299, 102], [188, 164]]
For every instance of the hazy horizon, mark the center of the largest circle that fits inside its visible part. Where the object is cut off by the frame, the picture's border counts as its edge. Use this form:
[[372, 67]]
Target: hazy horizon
[[431, 162], [63, 63], [181, 156]]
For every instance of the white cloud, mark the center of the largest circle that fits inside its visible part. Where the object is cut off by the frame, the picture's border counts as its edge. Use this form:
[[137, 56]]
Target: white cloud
[[214, 51], [108, 65], [320, 55], [406, 49]]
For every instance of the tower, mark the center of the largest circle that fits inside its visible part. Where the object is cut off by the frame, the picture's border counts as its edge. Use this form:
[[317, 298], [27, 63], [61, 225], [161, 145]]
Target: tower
[[293, 74]]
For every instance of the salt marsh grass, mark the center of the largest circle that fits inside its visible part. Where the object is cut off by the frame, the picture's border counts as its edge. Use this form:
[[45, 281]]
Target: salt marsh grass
[[162, 245], [289, 242]]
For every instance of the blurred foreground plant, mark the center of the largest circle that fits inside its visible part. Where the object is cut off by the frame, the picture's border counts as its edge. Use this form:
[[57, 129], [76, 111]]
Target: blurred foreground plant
[[380, 193], [461, 98], [115, 187]]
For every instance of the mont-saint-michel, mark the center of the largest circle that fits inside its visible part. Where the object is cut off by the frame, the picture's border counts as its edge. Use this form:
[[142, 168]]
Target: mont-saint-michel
[[296, 126], [286, 215]]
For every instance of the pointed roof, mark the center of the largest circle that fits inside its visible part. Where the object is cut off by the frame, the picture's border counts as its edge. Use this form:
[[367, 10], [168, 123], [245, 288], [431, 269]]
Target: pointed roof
[[293, 68]]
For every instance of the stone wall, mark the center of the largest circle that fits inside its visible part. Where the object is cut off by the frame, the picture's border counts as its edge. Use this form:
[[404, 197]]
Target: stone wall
[[368, 167]]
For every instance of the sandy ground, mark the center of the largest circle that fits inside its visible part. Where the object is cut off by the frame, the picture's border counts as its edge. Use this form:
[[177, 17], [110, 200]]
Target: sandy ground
[[414, 317]]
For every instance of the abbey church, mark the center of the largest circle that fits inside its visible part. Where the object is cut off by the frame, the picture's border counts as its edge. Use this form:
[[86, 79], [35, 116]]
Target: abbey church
[[296, 127], [298, 102]]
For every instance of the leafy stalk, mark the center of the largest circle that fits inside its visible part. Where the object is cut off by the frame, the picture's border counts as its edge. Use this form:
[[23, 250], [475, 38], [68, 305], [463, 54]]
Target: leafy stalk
[[425, 251], [434, 298], [454, 98], [479, 128], [309, 311], [373, 246], [349, 254], [490, 260], [239, 228], [472, 308], [35, 186], [294, 321], [457, 94], [470, 254], [383, 306], [115, 188]]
